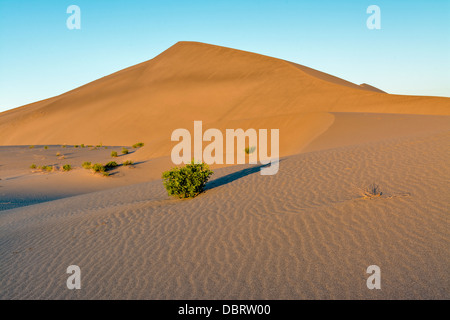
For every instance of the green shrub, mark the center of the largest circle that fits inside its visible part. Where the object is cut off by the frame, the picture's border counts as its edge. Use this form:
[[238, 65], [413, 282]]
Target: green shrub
[[86, 165], [76, 146], [63, 146], [58, 154], [110, 165], [188, 181], [105, 174], [33, 166], [138, 145], [82, 145], [46, 168], [31, 147], [124, 151], [114, 154], [45, 147], [98, 167], [67, 167], [128, 163]]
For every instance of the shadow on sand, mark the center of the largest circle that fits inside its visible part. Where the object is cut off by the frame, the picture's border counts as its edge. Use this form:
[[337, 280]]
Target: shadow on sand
[[235, 176]]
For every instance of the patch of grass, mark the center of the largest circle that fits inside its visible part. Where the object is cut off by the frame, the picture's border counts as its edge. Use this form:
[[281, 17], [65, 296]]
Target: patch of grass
[[86, 165], [98, 167], [138, 145], [105, 174], [33, 166], [124, 151], [188, 181], [114, 154], [110, 165], [128, 163], [67, 167], [46, 168]]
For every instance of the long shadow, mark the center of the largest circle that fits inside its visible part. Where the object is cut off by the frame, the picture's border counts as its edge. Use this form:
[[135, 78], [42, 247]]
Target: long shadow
[[235, 176]]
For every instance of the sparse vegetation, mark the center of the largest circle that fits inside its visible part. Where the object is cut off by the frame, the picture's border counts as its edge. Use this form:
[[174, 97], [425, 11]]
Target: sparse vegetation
[[110, 165], [188, 181], [128, 163], [63, 146], [58, 154], [33, 166], [98, 167], [45, 147], [138, 145], [46, 168], [67, 167], [105, 174], [86, 165], [31, 147], [82, 145], [124, 151], [76, 146], [372, 191], [114, 154]]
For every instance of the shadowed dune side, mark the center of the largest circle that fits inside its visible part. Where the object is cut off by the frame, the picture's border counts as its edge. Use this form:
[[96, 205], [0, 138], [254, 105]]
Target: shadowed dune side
[[194, 81]]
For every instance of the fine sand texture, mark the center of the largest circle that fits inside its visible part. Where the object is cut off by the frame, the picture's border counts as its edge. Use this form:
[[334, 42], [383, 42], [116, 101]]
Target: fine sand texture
[[308, 232], [304, 233]]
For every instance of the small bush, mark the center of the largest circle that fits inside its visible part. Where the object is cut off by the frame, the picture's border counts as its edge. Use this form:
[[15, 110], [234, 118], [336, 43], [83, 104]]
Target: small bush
[[372, 191], [63, 146], [124, 151], [45, 147], [46, 168], [138, 145], [188, 181], [128, 163], [76, 146], [31, 147], [86, 165], [110, 165], [58, 154], [33, 166], [67, 167], [82, 145], [114, 154], [98, 167], [105, 174]]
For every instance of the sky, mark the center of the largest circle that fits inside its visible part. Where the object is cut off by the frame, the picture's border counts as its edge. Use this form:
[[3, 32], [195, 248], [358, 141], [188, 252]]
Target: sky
[[40, 57]]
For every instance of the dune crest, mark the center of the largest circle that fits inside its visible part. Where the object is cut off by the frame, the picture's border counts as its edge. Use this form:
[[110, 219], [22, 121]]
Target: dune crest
[[195, 81]]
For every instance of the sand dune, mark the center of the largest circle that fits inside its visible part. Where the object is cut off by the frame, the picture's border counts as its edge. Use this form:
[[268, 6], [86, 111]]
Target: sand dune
[[305, 233], [192, 81]]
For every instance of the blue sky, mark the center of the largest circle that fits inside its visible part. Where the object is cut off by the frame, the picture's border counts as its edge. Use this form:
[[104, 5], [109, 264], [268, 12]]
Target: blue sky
[[40, 57]]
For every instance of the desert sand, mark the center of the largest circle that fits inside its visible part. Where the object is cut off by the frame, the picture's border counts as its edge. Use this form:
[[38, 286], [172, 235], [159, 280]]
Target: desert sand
[[305, 233]]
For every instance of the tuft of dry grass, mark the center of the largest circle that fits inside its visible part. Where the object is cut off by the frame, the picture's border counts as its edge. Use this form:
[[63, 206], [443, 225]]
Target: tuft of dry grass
[[372, 191]]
